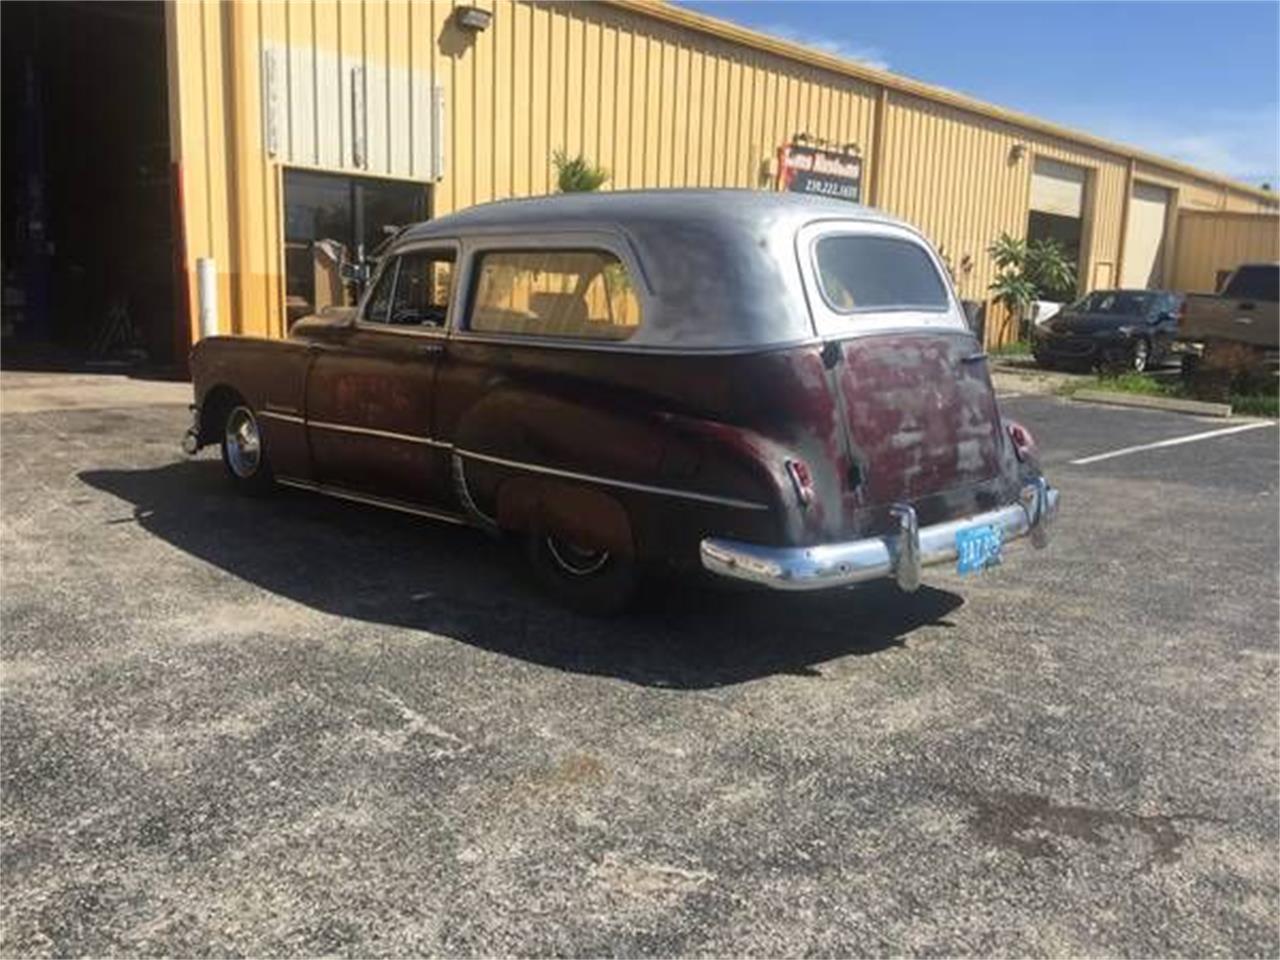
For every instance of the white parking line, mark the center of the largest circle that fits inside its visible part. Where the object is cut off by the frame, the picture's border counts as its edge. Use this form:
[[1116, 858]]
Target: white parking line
[[1171, 443]]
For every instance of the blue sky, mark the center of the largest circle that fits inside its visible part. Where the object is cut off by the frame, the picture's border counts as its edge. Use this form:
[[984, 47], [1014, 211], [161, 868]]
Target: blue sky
[[1193, 81]]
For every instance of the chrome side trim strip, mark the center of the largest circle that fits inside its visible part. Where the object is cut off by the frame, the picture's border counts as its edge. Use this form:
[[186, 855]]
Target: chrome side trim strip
[[342, 494], [282, 417], [625, 484], [386, 434]]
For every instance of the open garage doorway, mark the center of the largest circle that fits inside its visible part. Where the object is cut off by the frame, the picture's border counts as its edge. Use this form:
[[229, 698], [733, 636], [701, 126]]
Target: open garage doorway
[[1058, 204], [88, 250]]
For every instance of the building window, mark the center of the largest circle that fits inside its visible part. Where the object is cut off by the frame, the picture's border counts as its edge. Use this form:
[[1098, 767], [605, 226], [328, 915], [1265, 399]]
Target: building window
[[583, 294], [329, 219]]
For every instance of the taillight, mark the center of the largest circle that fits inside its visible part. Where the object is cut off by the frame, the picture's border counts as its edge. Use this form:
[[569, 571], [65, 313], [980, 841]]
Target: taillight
[[801, 480], [1024, 444]]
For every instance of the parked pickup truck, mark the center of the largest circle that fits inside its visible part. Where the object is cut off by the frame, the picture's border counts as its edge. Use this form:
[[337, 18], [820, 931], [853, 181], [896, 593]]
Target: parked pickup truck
[[1245, 311]]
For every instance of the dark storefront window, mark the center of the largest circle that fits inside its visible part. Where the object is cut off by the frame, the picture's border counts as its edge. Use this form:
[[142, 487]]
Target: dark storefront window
[[329, 218]]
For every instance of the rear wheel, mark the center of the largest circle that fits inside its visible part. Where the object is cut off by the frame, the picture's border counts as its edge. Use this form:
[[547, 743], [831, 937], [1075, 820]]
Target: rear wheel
[[243, 452], [589, 580]]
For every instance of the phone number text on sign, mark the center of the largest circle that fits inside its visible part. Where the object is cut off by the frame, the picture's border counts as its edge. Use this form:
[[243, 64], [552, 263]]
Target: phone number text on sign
[[828, 173]]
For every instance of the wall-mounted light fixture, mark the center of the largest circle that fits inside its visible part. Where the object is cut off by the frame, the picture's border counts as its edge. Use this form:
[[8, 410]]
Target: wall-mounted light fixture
[[1017, 152], [473, 18]]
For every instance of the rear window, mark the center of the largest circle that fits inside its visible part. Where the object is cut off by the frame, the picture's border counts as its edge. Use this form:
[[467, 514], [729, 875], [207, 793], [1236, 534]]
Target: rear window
[[1254, 283], [1117, 302], [578, 294], [864, 274]]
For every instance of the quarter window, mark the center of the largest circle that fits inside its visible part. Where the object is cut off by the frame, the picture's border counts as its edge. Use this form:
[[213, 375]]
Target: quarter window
[[375, 311], [582, 294], [866, 274]]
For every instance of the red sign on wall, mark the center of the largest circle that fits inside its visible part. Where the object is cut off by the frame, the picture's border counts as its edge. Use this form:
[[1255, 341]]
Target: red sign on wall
[[827, 173]]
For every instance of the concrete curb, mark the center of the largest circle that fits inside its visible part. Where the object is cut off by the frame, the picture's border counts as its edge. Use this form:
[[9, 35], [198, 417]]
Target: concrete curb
[[1172, 404]]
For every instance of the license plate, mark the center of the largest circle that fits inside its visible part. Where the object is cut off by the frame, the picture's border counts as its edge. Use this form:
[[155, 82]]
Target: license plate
[[977, 548]]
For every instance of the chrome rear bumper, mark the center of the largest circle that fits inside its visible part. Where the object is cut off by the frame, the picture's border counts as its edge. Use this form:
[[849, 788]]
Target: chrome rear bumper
[[899, 555]]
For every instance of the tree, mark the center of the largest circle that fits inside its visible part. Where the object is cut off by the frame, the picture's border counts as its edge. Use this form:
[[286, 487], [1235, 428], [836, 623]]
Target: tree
[[1026, 271], [577, 174]]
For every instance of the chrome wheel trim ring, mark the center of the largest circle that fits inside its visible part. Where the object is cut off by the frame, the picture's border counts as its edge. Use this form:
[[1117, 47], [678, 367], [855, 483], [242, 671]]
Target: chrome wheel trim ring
[[243, 443], [576, 561]]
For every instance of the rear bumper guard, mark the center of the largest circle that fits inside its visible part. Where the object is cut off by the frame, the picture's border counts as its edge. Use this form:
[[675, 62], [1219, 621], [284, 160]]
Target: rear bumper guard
[[900, 555]]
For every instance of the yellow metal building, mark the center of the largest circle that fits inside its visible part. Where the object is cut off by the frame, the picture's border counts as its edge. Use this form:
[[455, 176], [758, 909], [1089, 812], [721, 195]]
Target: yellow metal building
[[396, 102]]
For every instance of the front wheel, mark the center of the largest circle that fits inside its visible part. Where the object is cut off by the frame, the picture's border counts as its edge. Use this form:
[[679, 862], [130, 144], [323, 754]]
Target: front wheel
[[592, 581], [243, 453], [1140, 355]]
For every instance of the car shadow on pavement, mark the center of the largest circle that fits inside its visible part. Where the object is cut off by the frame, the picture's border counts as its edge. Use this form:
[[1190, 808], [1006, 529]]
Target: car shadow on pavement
[[386, 568]]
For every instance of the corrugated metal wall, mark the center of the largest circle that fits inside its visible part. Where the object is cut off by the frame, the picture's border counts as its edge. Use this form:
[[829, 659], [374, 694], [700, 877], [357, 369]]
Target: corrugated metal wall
[[656, 103], [1210, 242]]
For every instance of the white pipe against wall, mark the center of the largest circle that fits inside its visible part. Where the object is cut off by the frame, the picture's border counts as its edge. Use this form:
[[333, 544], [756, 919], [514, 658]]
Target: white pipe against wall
[[207, 293]]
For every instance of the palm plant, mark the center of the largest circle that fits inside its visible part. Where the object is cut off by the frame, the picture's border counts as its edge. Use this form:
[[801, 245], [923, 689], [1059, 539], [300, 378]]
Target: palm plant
[[577, 174], [1025, 272]]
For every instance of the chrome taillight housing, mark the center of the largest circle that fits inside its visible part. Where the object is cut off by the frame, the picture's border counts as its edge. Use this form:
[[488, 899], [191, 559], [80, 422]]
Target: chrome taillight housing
[[801, 480], [1024, 444]]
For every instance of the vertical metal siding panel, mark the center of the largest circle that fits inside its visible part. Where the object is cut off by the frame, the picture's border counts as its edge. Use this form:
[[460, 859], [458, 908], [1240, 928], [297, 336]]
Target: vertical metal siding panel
[[375, 86], [609, 102], [482, 139], [667, 113], [328, 102], [591, 89], [697, 116], [521, 93], [735, 152], [708, 143], [399, 88], [540, 172], [252, 252], [707, 120], [652, 116], [300, 70], [622, 129], [643, 54], [500, 96], [679, 106], [351, 36], [575, 55]]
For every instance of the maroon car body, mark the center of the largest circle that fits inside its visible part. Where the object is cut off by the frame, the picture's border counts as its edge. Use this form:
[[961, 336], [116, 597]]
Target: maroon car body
[[770, 387]]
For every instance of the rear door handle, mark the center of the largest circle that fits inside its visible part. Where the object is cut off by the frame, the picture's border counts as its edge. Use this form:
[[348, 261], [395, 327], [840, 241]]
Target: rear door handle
[[1244, 320], [1247, 305], [430, 349]]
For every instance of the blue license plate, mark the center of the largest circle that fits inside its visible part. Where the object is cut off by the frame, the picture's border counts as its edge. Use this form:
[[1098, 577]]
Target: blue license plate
[[977, 548]]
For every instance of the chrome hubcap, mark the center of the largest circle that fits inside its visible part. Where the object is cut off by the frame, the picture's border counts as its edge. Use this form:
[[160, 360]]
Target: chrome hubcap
[[1140, 356], [244, 445], [574, 560]]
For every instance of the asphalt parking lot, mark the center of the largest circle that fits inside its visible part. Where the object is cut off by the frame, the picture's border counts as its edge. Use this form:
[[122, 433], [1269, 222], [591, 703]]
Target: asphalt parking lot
[[298, 726]]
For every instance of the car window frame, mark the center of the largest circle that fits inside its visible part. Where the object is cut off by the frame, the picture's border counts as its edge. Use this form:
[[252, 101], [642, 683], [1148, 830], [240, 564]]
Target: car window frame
[[830, 321], [392, 258]]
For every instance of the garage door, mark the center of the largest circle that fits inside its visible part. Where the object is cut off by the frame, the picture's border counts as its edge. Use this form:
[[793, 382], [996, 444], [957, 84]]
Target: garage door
[[1057, 188], [1144, 245]]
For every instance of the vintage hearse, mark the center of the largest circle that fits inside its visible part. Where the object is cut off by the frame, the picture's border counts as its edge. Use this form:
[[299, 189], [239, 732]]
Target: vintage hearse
[[770, 387]]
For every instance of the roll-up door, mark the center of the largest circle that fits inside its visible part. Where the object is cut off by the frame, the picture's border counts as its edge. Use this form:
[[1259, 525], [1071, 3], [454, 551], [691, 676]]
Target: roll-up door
[[1144, 245], [1058, 188]]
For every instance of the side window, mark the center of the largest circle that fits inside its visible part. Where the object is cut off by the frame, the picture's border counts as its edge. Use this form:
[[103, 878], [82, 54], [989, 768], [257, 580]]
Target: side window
[[423, 286], [1254, 283], [581, 294], [375, 310]]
